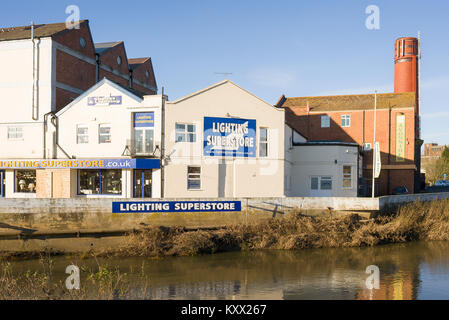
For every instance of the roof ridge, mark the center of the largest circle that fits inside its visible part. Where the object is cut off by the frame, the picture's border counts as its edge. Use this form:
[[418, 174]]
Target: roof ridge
[[351, 95]]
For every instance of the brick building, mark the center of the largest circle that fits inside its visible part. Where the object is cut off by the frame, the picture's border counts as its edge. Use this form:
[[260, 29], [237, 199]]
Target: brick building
[[433, 150], [350, 118], [45, 67]]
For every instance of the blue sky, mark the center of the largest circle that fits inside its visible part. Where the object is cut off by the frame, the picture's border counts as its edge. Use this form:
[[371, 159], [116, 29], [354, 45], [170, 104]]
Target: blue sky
[[295, 47]]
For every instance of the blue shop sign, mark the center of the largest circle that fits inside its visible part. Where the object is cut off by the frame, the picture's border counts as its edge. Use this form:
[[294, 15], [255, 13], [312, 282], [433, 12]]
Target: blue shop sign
[[143, 119], [104, 100], [81, 164], [229, 137], [175, 206]]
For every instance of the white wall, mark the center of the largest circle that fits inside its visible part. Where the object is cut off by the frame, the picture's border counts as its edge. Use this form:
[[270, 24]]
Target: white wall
[[319, 160], [239, 177], [16, 80], [120, 119]]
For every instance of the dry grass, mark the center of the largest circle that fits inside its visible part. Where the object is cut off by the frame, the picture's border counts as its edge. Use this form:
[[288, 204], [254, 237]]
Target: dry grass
[[416, 221], [103, 282]]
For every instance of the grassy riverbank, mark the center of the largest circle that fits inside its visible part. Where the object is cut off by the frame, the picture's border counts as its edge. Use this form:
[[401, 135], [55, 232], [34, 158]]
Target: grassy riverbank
[[416, 221]]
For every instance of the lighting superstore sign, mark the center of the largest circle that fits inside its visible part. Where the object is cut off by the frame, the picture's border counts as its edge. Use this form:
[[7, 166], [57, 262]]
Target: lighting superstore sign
[[229, 137], [82, 164], [104, 100], [175, 206]]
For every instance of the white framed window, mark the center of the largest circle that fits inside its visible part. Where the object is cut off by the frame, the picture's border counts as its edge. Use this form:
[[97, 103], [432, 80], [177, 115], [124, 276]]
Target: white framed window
[[82, 134], [325, 121], [15, 133], [326, 183], [185, 132], [347, 177], [367, 146], [193, 177], [104, 133], [346, 120], [263, 142]]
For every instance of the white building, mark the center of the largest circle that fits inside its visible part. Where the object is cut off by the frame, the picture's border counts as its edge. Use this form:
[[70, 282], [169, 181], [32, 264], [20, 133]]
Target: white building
[[223, 141], [107, 143]]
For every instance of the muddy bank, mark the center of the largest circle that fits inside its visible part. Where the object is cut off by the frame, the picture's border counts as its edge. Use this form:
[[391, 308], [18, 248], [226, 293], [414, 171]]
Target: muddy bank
[[411, 222], [426, 221]]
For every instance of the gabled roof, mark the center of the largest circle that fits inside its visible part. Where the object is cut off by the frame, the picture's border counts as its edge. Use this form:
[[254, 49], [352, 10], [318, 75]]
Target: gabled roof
[[100, 48], [350, 102], [137, 62], [115, 85], [217, 85], [40, 31]]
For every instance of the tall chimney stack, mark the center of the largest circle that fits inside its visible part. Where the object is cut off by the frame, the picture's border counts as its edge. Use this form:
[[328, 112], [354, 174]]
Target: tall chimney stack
[[406, 67]]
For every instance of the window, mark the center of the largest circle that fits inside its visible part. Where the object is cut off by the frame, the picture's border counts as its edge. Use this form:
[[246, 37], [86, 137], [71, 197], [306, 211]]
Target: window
[[263, 142], [25, 181], [326, 183], [104, 133], [346, 120], [347, 177], [147, 74], [82, 135], [99, 181], [15, 133], [314, 183], [119, 60], [82, 42], [193, 178], [185, 132], [366, 146], [325, 121]]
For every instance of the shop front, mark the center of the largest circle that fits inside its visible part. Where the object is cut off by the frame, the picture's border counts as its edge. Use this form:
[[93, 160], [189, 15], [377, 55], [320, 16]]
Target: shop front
[[68, 178]]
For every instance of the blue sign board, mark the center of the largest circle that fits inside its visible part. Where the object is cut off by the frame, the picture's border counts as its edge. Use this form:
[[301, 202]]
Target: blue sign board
[[104, 100], [229, 137], [175, 206], [82, 164], [143, 119]]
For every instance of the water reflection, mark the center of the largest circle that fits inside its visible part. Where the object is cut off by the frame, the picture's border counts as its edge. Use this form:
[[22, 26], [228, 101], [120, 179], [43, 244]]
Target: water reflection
[[407, 271]]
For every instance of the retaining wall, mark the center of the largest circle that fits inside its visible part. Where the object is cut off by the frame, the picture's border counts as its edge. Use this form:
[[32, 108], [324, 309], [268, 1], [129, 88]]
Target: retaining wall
[[82, 215]]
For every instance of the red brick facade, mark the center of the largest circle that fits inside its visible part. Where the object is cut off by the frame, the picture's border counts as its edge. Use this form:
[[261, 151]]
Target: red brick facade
[[78, 66], [395, 171]]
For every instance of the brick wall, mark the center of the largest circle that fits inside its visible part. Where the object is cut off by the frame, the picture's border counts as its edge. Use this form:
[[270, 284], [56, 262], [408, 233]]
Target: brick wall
[[360, 131]]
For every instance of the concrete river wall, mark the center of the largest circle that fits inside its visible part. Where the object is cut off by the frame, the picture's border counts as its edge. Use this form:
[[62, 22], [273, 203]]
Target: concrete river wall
[[31, 223]]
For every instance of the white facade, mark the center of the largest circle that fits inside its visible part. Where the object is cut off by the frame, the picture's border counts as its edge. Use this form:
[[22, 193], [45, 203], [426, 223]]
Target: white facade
[[106, 143], [223, 176], [221, 141], [119, 142], [24, 107], [321, 169]]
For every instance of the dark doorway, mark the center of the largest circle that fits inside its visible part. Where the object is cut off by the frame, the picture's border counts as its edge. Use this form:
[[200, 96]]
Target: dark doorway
[[142, 183]]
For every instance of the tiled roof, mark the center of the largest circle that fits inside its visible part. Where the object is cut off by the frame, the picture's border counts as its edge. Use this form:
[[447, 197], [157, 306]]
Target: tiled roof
[[40, 31], [136, 62], [103, 46], [351, 102]]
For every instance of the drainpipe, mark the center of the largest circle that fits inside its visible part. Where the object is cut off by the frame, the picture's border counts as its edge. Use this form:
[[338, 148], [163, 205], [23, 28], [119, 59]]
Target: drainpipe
[[55, 122], [44, 137], [163, 145], [97, 67], [35, 71]]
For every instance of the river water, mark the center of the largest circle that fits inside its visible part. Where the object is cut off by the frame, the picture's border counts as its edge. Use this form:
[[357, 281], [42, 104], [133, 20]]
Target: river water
[[418, 270]]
